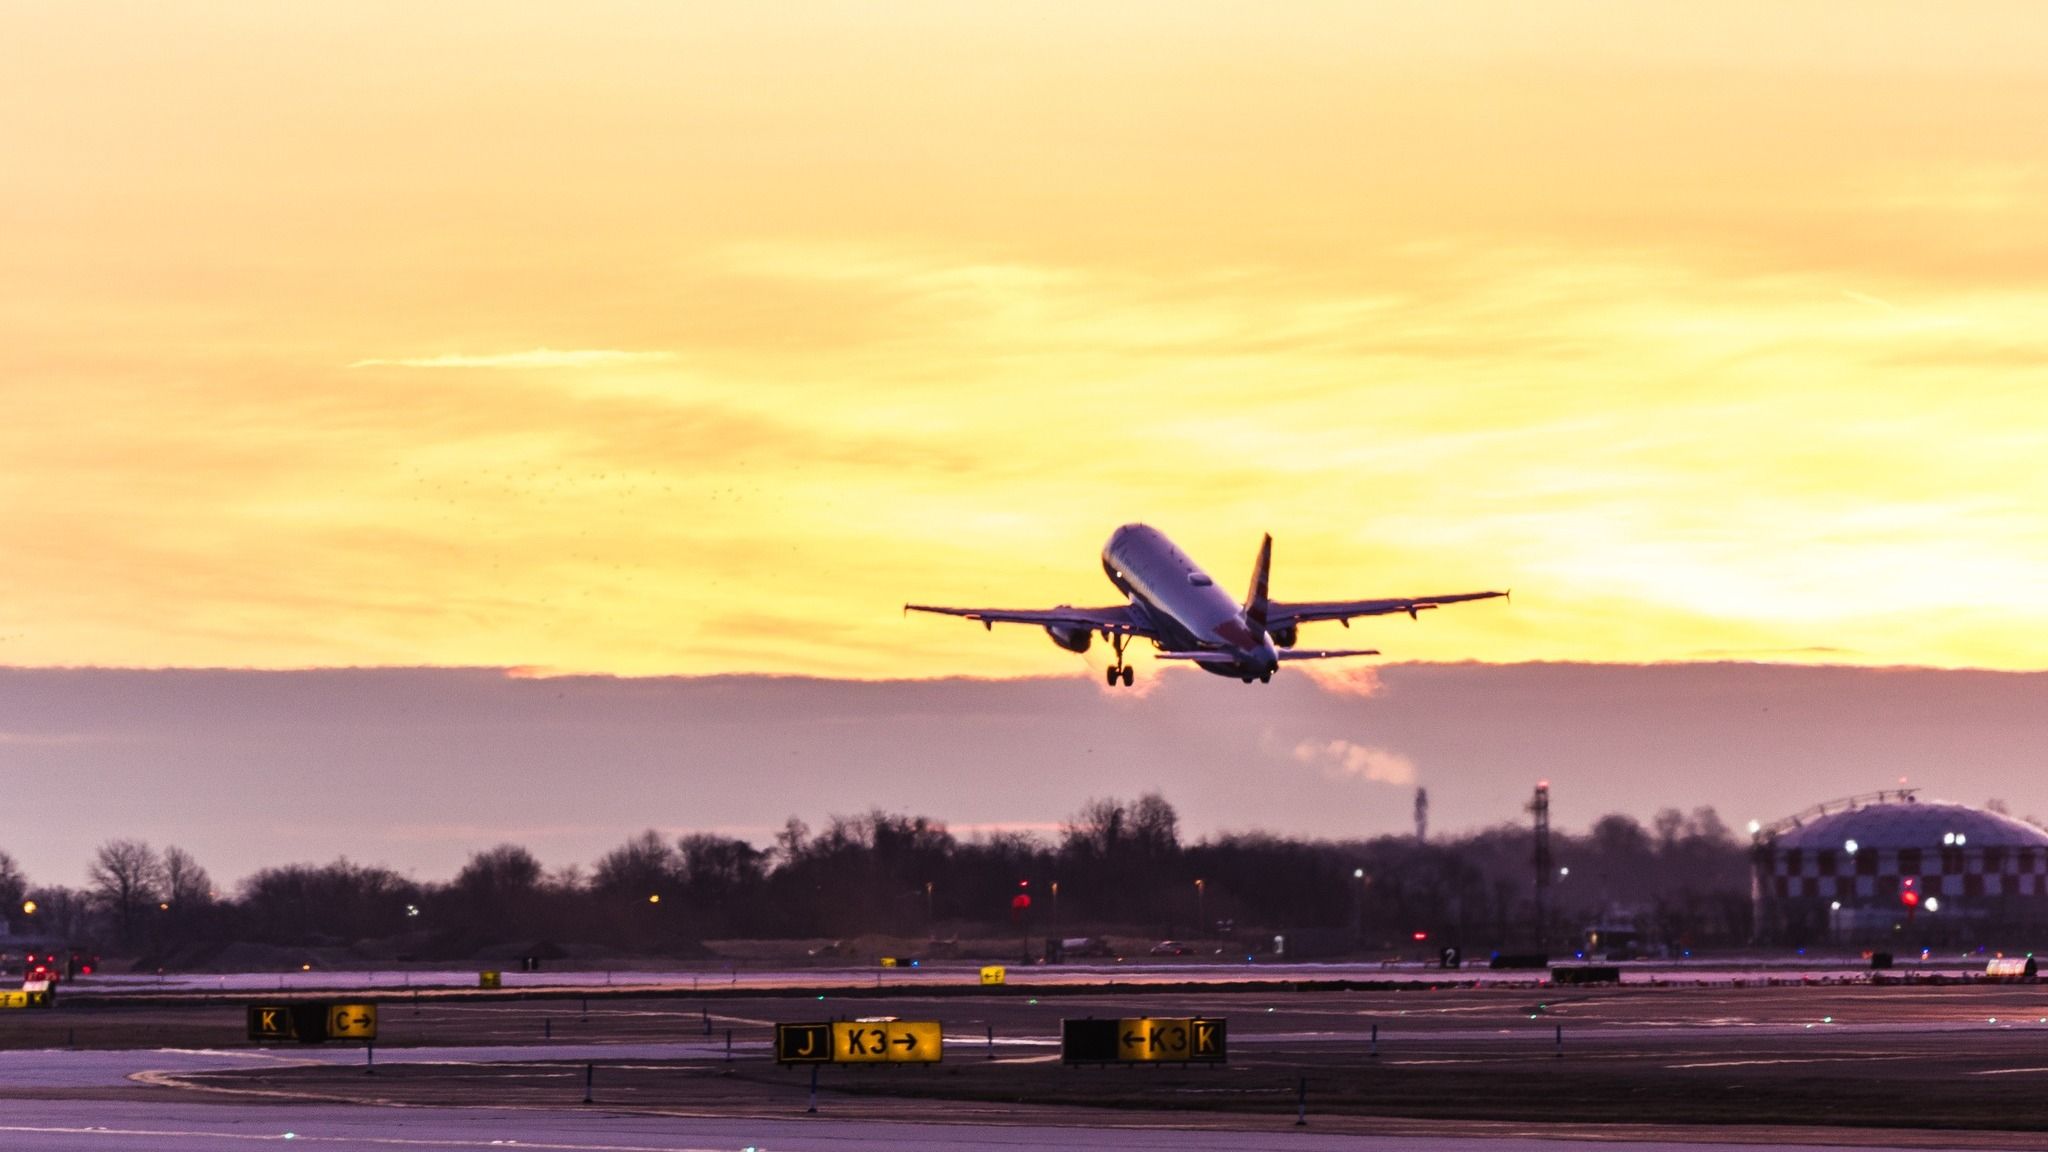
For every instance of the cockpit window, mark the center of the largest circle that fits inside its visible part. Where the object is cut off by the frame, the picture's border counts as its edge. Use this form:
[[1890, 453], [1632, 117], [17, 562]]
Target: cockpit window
[[1199, 579]]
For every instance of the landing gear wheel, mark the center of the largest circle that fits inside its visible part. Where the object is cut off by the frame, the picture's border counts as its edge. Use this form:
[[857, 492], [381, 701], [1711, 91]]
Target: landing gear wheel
[[1119, 670], [1265, 677], [1129, 676]]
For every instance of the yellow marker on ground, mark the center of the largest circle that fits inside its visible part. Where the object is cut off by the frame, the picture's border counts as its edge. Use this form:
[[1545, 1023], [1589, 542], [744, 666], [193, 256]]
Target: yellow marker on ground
[[489, 980], [994, 974]]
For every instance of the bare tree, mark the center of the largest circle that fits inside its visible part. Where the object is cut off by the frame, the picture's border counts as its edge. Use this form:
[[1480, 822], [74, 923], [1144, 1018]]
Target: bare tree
[[185, 884], [637, 869], [1096, 829], [62, 912], [13, 887], [126, 875], [1155, 825]]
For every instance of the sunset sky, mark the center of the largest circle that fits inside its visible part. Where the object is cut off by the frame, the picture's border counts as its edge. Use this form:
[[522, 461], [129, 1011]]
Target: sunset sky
[[675, 338], [639, 339]]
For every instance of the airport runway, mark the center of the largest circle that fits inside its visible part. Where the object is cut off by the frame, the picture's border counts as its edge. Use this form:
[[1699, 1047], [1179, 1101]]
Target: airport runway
[[102, 1126], [740, 980], [1449, 1069]]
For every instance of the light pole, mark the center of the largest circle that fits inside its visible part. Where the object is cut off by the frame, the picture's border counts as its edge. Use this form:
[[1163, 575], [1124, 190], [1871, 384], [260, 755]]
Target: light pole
[[1201, 908], [1055, 908], [928, 918], [1364, 882]]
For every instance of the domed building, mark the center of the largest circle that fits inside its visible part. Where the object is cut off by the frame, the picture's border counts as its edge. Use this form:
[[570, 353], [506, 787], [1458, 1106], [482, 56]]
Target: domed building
[[1891, 868]]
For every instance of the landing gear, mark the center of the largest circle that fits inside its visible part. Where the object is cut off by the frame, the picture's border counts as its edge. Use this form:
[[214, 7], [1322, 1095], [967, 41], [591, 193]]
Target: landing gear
[[1119, 671]]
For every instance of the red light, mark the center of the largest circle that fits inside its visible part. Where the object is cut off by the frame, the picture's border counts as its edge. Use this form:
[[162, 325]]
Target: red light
[[1422, 935], [1910, 898], [1019, 902]]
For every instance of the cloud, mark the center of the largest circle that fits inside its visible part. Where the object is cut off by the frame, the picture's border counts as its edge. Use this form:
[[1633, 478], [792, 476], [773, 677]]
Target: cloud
[[531, 358], [52, 739], [1343, 760], [1362, 680]]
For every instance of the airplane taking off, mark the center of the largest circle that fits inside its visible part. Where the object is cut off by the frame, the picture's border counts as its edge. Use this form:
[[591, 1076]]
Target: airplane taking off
[[1176, 606]]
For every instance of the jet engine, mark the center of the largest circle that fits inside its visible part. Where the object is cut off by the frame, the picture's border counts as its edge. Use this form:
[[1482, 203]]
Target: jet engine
[[1072, 637], [1285, 635]]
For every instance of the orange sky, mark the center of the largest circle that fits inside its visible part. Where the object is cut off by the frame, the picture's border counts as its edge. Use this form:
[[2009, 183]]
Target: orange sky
[[663, 338]]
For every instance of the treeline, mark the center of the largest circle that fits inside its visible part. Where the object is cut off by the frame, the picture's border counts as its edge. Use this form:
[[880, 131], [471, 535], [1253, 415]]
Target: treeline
[[1117, 867]]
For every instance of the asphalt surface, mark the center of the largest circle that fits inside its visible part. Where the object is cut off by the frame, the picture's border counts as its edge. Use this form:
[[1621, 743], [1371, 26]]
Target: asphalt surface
[[1207, 970], [1672, 1065]]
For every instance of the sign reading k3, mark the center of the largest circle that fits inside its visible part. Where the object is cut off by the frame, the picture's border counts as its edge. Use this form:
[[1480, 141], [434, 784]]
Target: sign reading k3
[[1145, 1040], [860, 1042], [886, 1042]]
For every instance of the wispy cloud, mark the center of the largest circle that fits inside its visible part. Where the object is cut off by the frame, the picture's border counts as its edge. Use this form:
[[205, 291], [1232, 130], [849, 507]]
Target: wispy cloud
[[50, 739], [1344, 760], [531, 358]]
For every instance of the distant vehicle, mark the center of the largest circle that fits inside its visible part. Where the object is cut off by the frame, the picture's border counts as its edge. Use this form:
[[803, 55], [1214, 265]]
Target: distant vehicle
[[1086, 946], [1180, 610], [1169, 948]]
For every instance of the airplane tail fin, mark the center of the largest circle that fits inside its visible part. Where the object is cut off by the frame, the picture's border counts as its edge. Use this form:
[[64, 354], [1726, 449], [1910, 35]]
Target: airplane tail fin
[[1255, 600]]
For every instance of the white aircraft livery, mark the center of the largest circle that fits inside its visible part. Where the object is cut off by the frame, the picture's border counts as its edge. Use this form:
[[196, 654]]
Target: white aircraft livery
[[1175, 605]]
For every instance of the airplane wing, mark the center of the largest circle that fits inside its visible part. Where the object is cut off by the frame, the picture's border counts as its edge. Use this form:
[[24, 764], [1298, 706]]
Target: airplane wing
[[1325, 653], [1279, 615], [1120, 618]]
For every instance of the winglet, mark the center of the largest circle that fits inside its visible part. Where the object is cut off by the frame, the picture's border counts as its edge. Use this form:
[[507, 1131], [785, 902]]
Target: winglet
[[1255, 600]]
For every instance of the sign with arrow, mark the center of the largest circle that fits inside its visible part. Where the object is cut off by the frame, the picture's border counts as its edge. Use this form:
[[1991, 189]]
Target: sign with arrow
[[312, 1022], [1145, 1040], [886, 1042], [352, 1022], [860, 1042]]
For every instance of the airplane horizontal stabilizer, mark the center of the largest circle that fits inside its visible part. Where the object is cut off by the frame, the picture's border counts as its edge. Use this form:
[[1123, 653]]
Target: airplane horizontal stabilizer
[[1325, 653], [1198, 657]]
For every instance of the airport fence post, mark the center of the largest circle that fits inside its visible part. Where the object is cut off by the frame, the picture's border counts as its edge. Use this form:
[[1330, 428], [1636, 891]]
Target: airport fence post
[[586, 1009], [1560, 1040], [547, 1028], [728, 1045], [1375, 1041], [991, 1041], [707, 1021], [370, 1058], [589, 1074], [1301, 1103], [814, 1090]]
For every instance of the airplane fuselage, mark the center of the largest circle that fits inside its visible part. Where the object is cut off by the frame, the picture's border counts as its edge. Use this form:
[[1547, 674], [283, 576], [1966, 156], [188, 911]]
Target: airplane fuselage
[[1184, 605]]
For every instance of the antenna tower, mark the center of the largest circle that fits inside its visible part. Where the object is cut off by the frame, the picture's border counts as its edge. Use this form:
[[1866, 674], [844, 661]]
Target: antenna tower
[[1540, 809]]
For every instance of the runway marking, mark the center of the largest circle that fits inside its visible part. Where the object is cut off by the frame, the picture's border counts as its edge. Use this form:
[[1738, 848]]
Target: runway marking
[[1791, 1060], [2006, 1071], [382, 1141]]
